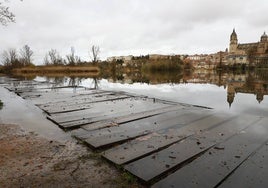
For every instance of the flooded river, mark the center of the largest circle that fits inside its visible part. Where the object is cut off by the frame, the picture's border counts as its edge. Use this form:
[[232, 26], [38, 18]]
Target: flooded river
[[231, 92]]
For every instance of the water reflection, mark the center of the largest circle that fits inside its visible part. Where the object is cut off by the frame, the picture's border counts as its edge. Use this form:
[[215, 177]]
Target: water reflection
[[247, 82], [235, 91]]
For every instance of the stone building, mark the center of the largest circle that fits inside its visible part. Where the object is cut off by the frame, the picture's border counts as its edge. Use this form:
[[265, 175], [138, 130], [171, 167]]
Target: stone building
[[247, 53]]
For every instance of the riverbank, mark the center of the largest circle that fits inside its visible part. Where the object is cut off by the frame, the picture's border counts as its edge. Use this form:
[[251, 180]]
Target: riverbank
[[57, 70], [29, 160]]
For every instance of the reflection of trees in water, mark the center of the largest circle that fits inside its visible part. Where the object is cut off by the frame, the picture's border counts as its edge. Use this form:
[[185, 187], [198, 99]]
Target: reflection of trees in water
[[57, 81], [74, 81], [95, 83], [154, 77]]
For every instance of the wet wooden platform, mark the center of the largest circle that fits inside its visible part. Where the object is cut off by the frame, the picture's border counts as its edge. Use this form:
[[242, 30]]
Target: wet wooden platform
[[163, 143]]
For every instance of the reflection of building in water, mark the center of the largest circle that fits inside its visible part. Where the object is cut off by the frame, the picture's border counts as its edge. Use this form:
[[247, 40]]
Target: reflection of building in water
[[246, 53], [234, 83], [243, 84]]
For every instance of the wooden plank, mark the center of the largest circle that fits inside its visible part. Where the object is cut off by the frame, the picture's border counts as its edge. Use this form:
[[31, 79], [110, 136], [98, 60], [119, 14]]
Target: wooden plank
[[220, 161], [143, 146], [252, 173], [72, 98], [94, 117], [107, 136], [130, 117], [161, 162], [108, 108], [50, 97], [81, 105], [149, 120]]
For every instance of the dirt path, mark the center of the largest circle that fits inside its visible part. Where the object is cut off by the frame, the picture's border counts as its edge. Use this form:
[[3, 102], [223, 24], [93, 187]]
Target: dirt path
[[28, 160]]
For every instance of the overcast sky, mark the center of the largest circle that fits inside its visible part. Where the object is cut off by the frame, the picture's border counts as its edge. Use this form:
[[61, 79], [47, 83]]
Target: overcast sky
[[123, 27]]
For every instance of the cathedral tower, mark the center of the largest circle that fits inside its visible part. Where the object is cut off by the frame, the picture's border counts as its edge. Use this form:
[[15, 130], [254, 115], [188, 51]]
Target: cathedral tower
[[264, 37], [233, 42]]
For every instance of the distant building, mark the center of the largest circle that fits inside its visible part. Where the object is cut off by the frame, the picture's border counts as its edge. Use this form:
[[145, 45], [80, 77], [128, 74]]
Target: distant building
[[158, 56], [207, 61], [247, 53], [123, 58]]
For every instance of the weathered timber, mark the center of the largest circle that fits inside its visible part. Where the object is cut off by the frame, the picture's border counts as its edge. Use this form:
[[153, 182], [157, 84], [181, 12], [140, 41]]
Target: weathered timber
[[252, 172], [219, 162], [108, 108], [59, 97], [123, 132], [130, 117], [174, 156], [143, 146], [81, 104]]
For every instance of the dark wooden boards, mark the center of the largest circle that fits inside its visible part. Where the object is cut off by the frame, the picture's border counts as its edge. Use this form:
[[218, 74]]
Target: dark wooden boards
[[80, 104], [252, 172], [217, 163], [126, 131], [105, 110], [163, 161], [143, 146], [130, 117]]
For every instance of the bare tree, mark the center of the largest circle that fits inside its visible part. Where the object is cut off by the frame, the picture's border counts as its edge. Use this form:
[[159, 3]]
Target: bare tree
[[26, 55], [5, 15], [95, 52], [46, 60], [53, 58], [72, 59], [10, 59]]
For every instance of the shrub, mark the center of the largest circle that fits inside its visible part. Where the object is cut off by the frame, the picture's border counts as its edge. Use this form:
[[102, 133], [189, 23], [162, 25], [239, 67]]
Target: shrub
[[162, 65]]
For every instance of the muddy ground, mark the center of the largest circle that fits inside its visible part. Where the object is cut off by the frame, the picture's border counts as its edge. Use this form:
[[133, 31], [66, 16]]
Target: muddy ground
[[29, 160]]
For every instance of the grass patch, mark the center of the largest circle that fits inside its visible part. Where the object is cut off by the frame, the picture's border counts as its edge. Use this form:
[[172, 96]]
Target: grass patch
[[95, 156], [56, 69], [126, 180]]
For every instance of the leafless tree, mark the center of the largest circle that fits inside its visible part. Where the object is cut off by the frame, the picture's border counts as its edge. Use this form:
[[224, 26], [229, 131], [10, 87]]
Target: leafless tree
[[95, 52], [9, 57], [46, 60], [10, 60], [72, 59], [26, 55], [5, 15], [53, 58]]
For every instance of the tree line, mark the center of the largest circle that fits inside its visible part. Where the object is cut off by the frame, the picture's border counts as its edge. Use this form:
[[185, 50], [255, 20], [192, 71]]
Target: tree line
[[24, 57]]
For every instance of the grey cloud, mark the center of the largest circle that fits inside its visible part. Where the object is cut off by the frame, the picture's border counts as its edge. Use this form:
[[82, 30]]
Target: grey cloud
[[123, 27]]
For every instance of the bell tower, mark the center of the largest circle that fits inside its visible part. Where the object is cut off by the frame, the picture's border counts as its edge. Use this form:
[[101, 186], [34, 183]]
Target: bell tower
[[233, 42]]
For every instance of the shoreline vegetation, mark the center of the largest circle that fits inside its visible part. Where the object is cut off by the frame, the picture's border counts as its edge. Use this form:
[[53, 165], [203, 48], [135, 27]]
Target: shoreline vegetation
[[21, 64], [85, 70]]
